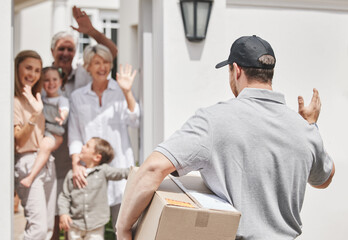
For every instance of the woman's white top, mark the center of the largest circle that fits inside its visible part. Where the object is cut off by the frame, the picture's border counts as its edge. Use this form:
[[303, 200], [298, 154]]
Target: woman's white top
[[109, 121]]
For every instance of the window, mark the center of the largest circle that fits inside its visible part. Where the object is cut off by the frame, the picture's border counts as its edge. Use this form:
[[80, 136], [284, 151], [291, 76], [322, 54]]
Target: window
[[83, 41], [110, 27]]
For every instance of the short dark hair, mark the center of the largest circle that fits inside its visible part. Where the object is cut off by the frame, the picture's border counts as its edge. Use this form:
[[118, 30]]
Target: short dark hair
[[260, 74], [103, 148]]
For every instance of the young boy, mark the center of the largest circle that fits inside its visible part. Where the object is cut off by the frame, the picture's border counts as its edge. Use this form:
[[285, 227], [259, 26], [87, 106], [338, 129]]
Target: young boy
[[84, 211]]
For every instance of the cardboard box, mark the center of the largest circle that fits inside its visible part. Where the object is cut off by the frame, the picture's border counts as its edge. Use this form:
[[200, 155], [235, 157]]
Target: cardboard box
[[178, 212]]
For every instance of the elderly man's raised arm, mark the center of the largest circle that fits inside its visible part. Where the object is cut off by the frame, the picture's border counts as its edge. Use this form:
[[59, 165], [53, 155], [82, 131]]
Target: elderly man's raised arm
[[142, 187], [86, 27]]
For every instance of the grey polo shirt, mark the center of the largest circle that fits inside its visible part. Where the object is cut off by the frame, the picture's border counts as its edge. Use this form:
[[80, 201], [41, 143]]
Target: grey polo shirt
[[256, 153], [88, 207]]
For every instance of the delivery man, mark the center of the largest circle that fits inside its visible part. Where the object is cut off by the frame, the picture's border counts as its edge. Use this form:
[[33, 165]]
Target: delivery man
[[252, 151]]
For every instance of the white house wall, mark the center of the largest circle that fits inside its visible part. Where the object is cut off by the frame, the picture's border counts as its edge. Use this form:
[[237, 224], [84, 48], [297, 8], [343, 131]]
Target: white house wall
[[128, 53], [190, 78], [127, 38], [6, 126], [100, 4], [33, 30], [311, 46]]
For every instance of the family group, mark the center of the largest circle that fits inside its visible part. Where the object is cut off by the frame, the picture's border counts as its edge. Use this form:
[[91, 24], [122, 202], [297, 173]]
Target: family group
[[71, 135]]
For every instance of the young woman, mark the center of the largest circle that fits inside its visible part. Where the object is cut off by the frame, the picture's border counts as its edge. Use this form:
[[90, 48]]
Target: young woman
[[38, 200]]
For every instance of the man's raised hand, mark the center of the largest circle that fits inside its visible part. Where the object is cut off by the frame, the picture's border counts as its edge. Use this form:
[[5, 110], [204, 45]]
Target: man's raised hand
[[312, 111]]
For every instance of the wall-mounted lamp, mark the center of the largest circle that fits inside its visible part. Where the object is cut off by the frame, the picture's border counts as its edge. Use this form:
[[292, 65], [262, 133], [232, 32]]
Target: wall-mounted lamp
[[195, 15]]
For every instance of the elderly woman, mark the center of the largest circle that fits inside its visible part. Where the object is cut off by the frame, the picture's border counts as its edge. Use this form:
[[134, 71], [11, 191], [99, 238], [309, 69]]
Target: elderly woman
[[38, 198], [103, 108]]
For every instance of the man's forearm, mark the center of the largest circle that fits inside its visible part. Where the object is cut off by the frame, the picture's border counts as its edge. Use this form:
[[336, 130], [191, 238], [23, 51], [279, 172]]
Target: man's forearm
[[139, 191], [102, 39], [135, 201]]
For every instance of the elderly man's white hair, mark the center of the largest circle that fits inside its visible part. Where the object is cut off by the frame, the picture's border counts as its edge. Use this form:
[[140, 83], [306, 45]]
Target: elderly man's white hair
[[60, 35]]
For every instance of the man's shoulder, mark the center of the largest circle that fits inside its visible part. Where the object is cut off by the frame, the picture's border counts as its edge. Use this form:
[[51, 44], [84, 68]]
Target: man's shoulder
[[82, 77], [220, 106], [80, 71]]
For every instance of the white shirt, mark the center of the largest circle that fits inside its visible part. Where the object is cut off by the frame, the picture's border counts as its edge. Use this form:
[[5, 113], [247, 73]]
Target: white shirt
[[110, 121]]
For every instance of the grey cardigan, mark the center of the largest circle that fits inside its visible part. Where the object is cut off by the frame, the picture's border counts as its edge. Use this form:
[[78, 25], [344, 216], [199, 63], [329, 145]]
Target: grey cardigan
[[88, 207]]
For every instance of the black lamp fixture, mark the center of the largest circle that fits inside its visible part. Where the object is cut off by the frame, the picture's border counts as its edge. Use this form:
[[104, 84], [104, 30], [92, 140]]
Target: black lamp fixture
[[195, 15]]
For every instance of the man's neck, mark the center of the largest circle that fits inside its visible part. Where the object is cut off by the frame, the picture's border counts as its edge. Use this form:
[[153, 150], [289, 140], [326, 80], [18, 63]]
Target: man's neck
[[260, 85], [245, 83], [67, 70]]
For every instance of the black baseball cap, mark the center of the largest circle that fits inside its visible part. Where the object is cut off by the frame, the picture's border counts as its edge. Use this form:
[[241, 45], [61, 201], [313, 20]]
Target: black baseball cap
[[247, 50]]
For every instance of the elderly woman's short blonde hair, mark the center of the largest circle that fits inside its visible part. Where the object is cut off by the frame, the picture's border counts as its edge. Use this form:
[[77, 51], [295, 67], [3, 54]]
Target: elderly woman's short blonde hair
[[91, 51]]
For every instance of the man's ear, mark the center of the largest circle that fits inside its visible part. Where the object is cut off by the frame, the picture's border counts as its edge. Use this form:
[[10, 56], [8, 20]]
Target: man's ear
[[237, 70]]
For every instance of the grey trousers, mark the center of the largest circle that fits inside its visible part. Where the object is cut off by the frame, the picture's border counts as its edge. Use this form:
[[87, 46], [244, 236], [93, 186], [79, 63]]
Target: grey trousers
[[38, 201]]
